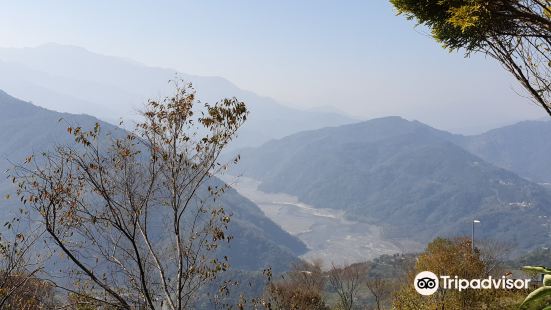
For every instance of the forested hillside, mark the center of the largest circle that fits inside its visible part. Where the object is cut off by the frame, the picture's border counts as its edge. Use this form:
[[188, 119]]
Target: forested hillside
[[405, 176]]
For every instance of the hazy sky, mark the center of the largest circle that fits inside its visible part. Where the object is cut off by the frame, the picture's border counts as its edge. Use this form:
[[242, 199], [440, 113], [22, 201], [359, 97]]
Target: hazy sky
[[354, 55]]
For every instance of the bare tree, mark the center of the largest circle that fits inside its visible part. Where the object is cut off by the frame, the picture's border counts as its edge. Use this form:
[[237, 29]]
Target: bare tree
[[381, 289], [300, 289], [20, 288], [136, 213], [528, 59], [494, 253], [346, 281]]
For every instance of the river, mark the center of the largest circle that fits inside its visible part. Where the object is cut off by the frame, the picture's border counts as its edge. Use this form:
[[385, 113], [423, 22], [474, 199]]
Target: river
[[327, 233]]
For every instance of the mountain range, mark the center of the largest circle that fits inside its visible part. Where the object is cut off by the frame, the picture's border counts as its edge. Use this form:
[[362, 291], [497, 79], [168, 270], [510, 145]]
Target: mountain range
[[26, 129], [72, 79], [415, 181], [522, 148]]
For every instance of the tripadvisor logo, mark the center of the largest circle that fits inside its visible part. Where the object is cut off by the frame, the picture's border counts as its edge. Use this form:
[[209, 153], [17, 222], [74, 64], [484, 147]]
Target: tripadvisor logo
[[427, 283]]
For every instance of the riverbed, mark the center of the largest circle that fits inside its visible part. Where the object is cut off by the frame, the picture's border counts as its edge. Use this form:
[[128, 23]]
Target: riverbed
[[328, 235]]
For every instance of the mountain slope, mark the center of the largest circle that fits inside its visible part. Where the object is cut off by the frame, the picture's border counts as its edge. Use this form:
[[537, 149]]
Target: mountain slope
[[405, 176], [25, 128], [72, 79], [523, 148]]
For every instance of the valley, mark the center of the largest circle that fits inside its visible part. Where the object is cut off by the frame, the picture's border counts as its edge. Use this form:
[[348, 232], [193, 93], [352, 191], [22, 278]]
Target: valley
[[415, 181], [276, 155], [329, 236]]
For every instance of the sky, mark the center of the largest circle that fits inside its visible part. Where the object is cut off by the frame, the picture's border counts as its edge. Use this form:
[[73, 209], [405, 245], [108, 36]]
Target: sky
[[353, 56]]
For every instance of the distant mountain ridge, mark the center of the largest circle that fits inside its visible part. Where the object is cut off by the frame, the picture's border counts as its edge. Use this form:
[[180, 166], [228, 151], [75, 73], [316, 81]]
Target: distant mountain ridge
[[75, 80], [27, 129], [414, 180], [523, 148]]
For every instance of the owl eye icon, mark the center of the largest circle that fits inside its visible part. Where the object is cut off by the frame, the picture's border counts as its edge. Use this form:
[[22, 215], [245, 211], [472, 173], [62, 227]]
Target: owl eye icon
[[426, 283]]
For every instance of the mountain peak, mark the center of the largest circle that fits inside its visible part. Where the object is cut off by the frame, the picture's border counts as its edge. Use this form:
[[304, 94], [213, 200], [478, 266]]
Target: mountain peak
[[396, 120], [386, 127], [390, 120]]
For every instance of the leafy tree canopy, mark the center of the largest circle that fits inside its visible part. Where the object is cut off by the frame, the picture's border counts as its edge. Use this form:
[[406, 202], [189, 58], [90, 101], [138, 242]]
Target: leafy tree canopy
[[470, 24], [515, 32]]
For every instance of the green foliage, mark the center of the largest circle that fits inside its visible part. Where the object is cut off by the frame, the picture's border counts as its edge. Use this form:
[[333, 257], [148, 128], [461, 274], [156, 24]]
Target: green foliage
[[465, 24], [539, 269], [535, 299], [514, 32], [453, 23], [541, 296]]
